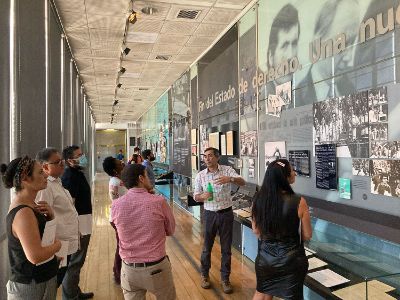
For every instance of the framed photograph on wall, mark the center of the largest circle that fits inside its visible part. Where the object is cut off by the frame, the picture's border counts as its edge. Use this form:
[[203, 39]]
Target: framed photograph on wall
[[248, 143], [229, 143], [194, 162], [274, 151], [223, 144], [194, 136], [194, 150], [214, 140]]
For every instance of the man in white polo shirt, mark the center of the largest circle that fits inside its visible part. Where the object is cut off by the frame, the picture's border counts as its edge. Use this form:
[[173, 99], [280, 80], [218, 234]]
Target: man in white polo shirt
[[60, 200], [218, 214]]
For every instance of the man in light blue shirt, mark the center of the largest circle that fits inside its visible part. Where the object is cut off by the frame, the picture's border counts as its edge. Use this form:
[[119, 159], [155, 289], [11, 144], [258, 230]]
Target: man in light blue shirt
[[148, 157]]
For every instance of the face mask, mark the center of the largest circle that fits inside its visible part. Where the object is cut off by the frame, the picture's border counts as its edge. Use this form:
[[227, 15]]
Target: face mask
[[83, 162]]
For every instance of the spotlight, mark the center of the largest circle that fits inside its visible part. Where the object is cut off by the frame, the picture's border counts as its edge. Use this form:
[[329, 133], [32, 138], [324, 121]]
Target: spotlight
[[149, 10], [122, 70], [132, 17], [126, 50], [119, 85]]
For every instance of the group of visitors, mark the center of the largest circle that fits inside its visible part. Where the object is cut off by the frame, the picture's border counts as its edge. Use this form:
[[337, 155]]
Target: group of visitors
[[277, 214], [46, 191]]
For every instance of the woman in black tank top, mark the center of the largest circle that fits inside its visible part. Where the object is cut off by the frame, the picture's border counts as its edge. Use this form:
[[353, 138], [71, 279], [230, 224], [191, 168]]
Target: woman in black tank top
[[281, 220], [31, 276]]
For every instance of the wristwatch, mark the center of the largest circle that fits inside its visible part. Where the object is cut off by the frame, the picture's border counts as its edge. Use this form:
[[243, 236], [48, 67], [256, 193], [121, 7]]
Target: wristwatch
[[232, 179]]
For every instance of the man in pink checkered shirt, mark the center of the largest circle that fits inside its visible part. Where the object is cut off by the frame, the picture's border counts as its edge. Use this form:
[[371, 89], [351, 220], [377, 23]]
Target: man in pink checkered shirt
[[143, 221]]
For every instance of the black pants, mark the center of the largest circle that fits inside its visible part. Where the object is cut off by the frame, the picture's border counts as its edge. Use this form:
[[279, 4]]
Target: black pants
[[221, 223], [70, 284], [62, 271]]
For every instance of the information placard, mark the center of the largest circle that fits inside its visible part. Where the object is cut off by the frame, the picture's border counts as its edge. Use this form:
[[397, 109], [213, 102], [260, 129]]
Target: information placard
[[300, 161], [326, 166]]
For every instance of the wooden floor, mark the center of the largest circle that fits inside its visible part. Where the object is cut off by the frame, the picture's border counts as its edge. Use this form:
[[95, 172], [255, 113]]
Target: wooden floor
[[183, 249]]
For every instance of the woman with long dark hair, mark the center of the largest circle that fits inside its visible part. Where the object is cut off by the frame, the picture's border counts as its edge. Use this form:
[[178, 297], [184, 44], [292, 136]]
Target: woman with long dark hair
[[33, 266], [281, 220]]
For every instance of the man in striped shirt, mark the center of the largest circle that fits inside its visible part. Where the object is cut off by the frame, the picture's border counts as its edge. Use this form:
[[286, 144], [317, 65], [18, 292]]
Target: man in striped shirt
[[218, 214]]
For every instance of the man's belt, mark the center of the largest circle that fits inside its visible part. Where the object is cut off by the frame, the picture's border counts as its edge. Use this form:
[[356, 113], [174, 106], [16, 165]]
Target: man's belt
[[144, 264]]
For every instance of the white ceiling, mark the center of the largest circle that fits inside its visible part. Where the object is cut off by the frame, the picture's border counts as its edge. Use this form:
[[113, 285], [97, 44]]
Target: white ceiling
[[95, 31]]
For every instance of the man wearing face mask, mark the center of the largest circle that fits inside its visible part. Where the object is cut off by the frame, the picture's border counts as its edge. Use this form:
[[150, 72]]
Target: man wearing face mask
[[76, 183], [148, 157]]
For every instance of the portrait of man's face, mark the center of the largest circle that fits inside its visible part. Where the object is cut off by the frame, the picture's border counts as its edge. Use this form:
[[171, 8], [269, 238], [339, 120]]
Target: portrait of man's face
[[283, 39], [286, 47], [335, 18]]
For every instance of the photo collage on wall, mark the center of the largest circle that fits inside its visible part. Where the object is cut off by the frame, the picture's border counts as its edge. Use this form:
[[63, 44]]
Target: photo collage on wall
[[248, 143], [343, 121], [383, 165], [378, 114], [281, 100]]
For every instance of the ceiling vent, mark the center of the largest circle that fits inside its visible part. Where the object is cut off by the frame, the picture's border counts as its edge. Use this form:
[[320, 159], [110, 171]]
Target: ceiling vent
[[143, 89], [188, 14], [163, 57]]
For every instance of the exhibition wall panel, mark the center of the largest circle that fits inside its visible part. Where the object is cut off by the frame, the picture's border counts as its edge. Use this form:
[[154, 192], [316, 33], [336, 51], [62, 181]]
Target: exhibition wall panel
[[181, 125], [322, 83], [218, 77], [248, 95], [155, 130]]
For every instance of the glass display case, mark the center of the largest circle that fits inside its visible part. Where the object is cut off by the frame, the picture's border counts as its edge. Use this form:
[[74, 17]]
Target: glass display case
[[343, 263]]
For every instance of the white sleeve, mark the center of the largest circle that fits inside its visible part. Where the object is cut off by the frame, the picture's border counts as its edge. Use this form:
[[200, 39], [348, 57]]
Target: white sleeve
[[45, 195]]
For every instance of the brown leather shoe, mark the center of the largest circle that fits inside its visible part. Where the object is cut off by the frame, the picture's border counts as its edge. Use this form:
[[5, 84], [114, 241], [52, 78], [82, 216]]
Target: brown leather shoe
[[227, 287], [205, 282]]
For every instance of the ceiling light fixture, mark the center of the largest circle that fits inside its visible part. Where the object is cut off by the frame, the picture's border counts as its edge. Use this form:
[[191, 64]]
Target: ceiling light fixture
[[132, 18], [149, 10], [119, 85], [126, 50], [115, 102], [122, 70]]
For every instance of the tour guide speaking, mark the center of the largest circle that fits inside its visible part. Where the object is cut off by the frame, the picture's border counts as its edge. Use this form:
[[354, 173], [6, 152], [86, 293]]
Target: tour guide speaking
[[213, 187]]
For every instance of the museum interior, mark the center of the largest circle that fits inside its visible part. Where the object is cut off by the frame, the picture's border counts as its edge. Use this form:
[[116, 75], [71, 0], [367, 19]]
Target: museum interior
[[313, 82]]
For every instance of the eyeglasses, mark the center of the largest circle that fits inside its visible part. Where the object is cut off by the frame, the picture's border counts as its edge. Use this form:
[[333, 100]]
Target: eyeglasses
[[58, 162]]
